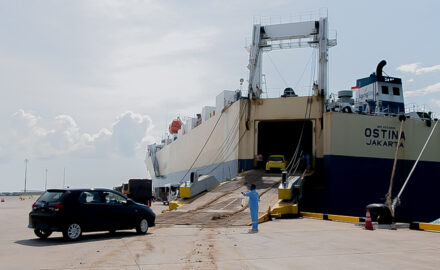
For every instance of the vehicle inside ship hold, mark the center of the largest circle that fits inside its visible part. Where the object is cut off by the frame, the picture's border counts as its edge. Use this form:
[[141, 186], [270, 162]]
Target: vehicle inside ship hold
[[282, 137]]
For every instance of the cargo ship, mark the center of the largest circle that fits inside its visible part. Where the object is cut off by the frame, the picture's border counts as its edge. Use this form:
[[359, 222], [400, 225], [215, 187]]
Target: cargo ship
[[355, 143]]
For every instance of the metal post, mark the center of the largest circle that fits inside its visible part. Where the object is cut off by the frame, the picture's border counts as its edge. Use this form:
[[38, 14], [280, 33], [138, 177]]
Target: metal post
[[25, 173], [45, 183], [323, 57], [64, 178]]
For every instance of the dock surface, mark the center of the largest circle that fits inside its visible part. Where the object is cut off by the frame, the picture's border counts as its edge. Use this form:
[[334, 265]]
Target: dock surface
[[301, 243]]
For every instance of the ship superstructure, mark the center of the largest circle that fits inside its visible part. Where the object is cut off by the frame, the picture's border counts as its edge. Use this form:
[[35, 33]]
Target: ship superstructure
[[379, 94]]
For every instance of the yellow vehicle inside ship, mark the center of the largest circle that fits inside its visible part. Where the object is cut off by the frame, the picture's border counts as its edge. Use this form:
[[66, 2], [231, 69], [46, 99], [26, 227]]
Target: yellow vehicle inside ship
[[276, 162]]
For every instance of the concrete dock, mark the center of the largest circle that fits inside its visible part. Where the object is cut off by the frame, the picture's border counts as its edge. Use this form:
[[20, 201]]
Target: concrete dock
[[301, 243]]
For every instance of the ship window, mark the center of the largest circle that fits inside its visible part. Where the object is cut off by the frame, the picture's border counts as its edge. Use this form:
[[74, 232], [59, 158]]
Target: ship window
[[396, 91], [384, 90]]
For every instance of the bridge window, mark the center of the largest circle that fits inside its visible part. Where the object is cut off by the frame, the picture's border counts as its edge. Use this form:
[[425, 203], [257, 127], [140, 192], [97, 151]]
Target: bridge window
[[396, 91], [385, 90]]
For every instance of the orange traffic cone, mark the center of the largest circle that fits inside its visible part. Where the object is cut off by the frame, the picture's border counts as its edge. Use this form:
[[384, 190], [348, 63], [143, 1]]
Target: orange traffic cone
[[368, 223]]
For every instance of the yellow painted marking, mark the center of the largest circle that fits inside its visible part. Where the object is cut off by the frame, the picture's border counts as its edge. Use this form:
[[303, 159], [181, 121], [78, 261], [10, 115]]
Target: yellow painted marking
[[284, 208], [313, 215], [278, 210], [429, 226], [284, 194], [332, 217], [173, 205], [343, 218], [185, 192], [243, 173], [263, 218]]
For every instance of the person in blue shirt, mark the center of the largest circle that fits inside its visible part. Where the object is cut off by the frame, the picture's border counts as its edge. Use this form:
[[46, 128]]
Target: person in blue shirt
[[253, 206]]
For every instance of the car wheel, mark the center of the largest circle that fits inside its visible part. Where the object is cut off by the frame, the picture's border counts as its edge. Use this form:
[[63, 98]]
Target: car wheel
[[43, 234], [142, 226], [72, 232]]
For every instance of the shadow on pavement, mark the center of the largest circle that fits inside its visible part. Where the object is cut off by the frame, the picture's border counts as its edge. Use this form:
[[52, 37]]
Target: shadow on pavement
[[89, 237]]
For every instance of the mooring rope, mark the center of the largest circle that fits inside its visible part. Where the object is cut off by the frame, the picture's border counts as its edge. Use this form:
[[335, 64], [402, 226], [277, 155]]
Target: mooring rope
[[389, 194], [396, 200]]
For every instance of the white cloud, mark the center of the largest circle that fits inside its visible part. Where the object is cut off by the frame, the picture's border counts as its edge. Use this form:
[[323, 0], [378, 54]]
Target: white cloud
[[130, 133], [430, 89], [410, 80], [417, 69], [33, 136], [436, 102]]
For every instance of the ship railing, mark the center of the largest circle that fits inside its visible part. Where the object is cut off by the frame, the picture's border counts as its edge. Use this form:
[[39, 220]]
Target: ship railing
[[412, 107], [301, 91], [312, 15]]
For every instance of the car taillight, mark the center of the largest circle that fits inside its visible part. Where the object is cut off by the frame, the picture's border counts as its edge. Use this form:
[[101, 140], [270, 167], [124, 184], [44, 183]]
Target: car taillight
[[58, 206], [33, 206]]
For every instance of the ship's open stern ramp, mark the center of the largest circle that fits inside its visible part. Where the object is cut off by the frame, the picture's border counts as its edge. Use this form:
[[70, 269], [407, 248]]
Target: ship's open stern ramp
[[225, 205]]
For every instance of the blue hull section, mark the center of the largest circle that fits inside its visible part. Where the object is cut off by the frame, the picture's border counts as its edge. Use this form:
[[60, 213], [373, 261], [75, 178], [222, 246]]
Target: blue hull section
[[346, 185]]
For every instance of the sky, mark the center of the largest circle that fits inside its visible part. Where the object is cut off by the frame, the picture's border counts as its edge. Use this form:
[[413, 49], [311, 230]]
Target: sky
[[86, 85]]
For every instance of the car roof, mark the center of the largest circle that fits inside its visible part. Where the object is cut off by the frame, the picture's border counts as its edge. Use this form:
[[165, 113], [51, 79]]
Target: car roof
[[78, 189]]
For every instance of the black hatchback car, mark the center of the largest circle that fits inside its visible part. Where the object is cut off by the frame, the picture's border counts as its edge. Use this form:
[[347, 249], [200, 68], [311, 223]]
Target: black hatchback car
[[74, 211]]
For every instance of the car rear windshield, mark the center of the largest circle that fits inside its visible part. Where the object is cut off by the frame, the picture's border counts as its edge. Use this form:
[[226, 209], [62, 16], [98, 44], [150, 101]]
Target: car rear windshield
[[275, 159], [51, 196]]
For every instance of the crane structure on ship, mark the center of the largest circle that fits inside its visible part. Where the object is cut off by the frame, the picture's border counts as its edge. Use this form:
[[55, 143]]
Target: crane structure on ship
[[266, 38]]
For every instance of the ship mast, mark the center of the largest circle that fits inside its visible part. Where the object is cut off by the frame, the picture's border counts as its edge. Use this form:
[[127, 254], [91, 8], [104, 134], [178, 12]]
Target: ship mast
[[286, 36]]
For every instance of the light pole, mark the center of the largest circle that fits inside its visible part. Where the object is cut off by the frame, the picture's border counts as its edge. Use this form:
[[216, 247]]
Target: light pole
[[25, 173], [45, 183], [64, 178]]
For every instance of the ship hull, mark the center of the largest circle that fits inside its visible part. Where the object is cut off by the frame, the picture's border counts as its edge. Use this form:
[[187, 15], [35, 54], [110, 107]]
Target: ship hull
[[357, 164], [346, 185]]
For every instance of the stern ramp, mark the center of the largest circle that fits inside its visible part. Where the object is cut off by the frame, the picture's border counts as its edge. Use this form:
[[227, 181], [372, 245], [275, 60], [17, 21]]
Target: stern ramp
[[225, 205]]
